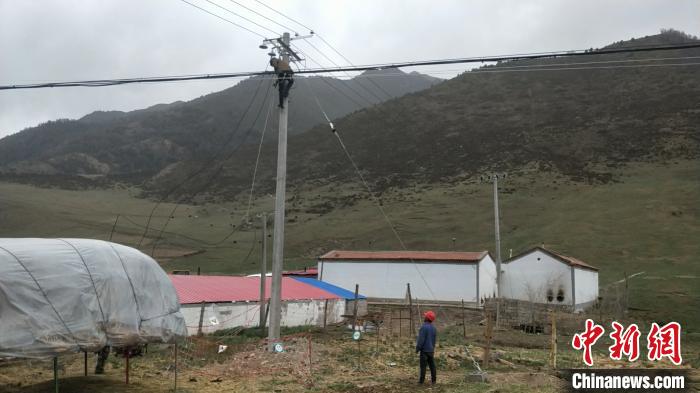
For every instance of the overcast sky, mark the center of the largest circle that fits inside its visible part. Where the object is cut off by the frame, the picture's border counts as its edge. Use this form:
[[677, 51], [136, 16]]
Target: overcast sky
[[61, 40]]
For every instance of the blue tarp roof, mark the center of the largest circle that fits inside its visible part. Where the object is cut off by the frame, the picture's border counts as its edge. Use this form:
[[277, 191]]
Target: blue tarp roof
[[329, 288]]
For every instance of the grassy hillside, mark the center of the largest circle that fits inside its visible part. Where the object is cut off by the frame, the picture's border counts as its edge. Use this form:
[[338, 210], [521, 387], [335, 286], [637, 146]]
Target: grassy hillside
[[645, 222], [580, 122], [135, 145]]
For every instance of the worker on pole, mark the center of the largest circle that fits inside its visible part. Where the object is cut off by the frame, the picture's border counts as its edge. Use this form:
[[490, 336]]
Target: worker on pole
[[285, 77]]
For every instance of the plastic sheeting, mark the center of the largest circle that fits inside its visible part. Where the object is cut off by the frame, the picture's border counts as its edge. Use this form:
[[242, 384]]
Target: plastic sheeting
[[67, 295]]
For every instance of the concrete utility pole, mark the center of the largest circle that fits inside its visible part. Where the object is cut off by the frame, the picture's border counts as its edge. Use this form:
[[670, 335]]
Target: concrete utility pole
[[282, 45], [497, 230], [497, 220], [280, 195], [263, 271]]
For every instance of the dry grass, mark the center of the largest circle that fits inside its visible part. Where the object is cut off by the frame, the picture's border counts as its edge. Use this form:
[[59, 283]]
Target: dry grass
[[316, 361]]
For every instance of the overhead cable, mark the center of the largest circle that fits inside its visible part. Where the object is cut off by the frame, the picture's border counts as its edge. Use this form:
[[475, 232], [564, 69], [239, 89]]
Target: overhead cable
[[242, 17], [380, 66], [224, 19]]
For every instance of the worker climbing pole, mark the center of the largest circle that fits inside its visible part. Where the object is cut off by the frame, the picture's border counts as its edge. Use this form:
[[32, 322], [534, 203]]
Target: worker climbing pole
[[285, 78]]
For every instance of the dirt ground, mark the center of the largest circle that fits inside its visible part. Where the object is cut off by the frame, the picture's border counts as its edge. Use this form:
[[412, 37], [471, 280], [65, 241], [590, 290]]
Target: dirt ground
[[314, 361]]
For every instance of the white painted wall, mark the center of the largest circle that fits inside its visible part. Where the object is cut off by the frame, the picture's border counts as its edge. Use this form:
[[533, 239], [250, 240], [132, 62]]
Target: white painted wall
[[532, 275], [487, 278], [387, 280], [586, 283], [230, 315]]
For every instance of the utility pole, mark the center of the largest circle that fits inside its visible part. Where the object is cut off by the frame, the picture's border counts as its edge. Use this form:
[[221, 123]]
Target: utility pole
[[497, 230], [263, 272], [497, 220], [283, 48], [278, 239]]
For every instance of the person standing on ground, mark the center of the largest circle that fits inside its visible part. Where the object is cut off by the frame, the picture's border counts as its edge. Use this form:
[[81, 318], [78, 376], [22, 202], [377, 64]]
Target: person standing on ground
[[425, 346], [102, 355], [285, 77]]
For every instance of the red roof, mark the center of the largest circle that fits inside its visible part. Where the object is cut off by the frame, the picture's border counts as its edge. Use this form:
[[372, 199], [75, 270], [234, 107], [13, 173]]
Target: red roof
[[212, 289], [571, 261], [437, 256]]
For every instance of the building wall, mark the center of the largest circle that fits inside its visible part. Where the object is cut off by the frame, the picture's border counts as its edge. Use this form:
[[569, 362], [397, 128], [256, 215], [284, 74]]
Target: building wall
[[387, 280], [230, 315], [534, 275], [487, 278], [586, 283], [361, 306]]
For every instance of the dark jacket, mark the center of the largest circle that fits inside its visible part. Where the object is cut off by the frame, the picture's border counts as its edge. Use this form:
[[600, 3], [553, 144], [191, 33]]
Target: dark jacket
[[427, 338], [280, 66]]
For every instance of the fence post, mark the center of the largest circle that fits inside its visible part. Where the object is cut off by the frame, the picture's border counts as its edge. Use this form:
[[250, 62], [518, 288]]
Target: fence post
[[55, 374], [201, 320], [311, 375], [464, 325], [86, 360], [354, 311], [175, 388], [325, 314], [377, 322], [391, 323], [410, 308], [488, 333], [553, 350]]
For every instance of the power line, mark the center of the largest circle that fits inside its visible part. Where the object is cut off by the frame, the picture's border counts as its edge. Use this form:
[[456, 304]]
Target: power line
[[215, 175], [257, 159], [379, 66], [201, 169], [378, 203], [334, 49], [379, 99], [555, 66], [348, 86], [534, 69], [351, 63], [224, 19], [289, 18], [242, 17], [299, 50], [372, 196], [332, 86], [259, 14], [321, 52]]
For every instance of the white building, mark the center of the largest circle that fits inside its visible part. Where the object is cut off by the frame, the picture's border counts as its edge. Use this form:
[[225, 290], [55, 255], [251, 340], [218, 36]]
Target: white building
[[434, 276], [544, 276], [211, 303]]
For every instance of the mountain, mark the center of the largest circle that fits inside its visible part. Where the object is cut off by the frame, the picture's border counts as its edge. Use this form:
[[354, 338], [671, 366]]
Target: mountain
[[581, 120], [581, 117], [137, 145]]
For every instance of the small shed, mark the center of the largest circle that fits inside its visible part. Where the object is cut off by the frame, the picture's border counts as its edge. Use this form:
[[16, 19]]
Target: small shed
[[211, 303], [541, 275], [433, 275]]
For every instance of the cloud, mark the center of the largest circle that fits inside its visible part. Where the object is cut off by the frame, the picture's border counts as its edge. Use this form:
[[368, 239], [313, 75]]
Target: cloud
[[55, 40]]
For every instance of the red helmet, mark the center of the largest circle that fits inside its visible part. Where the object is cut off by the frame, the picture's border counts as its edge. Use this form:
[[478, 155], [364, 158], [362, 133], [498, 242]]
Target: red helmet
[[430, 316]]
